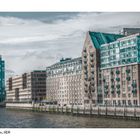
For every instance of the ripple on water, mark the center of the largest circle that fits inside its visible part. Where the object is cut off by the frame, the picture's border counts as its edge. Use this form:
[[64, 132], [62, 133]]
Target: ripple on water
[[25, 119]]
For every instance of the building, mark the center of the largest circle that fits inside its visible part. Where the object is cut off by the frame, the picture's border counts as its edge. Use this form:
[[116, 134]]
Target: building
[[110, 68], [129, 31], [2, 80], [91, 72], [120, 70], [64, 82], [27, 87]]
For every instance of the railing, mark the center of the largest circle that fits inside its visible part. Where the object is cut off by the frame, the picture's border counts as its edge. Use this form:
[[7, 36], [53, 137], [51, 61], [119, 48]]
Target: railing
[[115, 111]]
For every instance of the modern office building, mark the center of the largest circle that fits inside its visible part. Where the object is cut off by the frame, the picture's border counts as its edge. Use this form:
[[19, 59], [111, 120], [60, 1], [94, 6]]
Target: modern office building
[[28, 87], [2, 80], [64, 82], [120, 70]]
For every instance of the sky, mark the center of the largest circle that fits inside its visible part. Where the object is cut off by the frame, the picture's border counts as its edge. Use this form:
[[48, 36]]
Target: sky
[[34, 40]]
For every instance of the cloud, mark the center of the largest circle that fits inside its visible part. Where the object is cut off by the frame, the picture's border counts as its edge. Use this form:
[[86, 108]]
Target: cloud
[[31, 43]]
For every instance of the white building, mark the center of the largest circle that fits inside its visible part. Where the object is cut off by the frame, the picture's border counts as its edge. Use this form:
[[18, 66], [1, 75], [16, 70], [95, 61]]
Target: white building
[[64, 82]]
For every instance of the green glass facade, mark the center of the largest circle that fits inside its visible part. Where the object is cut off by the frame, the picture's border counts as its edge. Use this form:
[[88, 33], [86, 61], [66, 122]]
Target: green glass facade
[[2, 80], [99, 38], [124, 51]]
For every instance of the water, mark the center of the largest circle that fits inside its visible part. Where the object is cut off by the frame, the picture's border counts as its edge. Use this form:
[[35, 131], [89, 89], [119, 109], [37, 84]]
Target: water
[[25, 119]]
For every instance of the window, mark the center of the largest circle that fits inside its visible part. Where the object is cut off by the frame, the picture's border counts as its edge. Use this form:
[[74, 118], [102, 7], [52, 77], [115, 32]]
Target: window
[[135, 102], [124, 102], [129, 102]]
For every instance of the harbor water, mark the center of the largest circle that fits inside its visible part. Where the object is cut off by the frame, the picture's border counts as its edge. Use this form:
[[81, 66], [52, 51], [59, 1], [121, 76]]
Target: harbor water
[[29, 119]]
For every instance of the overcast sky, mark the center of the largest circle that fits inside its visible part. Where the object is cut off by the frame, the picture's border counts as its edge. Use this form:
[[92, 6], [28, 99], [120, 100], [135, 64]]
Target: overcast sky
[[31, 41]]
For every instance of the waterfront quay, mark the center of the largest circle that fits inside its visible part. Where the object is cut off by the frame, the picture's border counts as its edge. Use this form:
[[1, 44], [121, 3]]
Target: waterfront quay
[[103, 81], [100, 111]]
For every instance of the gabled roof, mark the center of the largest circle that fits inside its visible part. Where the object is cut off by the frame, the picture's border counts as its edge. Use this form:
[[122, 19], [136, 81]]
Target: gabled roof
[[99, 38]]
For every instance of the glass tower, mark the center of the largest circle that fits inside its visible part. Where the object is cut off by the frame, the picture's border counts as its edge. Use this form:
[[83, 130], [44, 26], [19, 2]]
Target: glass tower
[[2, 80]]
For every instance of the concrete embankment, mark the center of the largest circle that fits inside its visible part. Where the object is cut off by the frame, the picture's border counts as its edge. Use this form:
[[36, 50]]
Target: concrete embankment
[[113, 112], [25, 106]]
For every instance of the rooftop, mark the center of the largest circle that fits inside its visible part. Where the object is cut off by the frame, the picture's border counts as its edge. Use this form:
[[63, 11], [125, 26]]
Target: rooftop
[[99, 38], [66, 60]]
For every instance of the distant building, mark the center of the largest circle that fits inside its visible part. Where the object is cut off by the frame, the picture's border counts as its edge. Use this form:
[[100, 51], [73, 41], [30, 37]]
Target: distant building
[[64, 82], [2, 80], [27, 87], [129, 31]]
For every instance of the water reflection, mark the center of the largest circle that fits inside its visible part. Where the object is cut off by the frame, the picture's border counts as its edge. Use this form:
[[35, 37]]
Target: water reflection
[[24, 119]]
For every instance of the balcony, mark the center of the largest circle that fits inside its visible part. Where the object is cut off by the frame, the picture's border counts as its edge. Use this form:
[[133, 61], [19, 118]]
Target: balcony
[[85, 72], [128, 78], [106, 86], [92, 60], [128, 71], [111, 72], [117, 72], [86, 90], [112, 92], [104, 80], [84, 50], [92, 72], [118, 92], [92, 65], [92, 78], [85, 56], [85, 67], [91, 54], [118, 86], [112, 80], [134, 85], [86, 84], [112, 86], [92, 88], [85, 62], [106, 92], [118, 79], [134, 91], [86, 78]]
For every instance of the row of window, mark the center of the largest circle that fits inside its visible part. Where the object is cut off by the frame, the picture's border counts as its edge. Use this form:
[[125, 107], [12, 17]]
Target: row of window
[[121, 102], [119, 44]]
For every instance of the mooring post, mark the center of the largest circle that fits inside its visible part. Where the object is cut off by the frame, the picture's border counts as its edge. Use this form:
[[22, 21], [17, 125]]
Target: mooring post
[[98, 111], [124, 113], [62, 109], [106, 111], [135, 112]]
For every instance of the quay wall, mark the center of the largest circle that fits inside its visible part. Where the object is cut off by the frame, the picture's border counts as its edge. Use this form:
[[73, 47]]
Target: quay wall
[[123, 112]]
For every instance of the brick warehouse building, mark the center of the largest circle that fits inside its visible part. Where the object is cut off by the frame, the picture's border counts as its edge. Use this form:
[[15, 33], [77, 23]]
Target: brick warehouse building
[[120, 70], [110, 68]]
